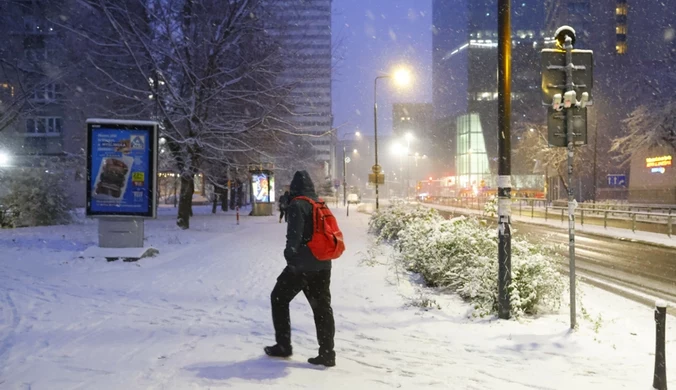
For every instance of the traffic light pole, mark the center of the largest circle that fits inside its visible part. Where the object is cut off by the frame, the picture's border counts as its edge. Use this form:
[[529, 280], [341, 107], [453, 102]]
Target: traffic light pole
[[504, 157], [571, 196]]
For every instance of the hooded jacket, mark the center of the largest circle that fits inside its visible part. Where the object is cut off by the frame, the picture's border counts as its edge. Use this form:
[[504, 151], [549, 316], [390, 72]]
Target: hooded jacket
[[299, 229]]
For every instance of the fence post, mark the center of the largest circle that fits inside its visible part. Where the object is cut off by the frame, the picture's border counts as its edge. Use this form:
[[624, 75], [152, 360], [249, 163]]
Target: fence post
[[660, 376], [561, 215], [520, 203], [605, 219], [669, 223], [633, 222], [582, 217], [546, 211], [532, 209]]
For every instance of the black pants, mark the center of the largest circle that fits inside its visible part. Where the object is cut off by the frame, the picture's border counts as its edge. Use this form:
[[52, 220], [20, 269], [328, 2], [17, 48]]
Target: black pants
[[283, 214], [315, 286]]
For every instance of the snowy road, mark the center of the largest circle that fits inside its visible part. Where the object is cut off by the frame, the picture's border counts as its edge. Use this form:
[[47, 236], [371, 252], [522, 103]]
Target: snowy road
[[640, 270], [197, 316]]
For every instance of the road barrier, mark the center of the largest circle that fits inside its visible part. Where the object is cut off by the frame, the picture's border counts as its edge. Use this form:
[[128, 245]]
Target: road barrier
[[652, 218]]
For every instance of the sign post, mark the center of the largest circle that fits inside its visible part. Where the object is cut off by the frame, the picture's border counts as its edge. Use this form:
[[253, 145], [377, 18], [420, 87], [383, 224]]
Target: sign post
[[121, 185], [565, 74]]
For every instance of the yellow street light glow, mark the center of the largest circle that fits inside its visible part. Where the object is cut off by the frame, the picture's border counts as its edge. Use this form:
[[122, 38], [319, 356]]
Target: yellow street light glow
[[402, 76]]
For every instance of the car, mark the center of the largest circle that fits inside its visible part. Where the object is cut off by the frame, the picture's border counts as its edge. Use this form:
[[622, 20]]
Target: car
[[353, 199]]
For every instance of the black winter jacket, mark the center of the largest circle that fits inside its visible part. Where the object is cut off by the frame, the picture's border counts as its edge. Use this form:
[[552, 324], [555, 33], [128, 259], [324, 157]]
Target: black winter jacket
[[298, 256]]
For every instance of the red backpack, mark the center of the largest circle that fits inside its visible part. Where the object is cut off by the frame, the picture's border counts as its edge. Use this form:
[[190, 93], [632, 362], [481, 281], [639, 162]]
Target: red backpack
[[327, 239]]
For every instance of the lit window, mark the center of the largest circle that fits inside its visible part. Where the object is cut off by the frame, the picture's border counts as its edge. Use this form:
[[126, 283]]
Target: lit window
[[621, 29], [621, 9], [621, 48]]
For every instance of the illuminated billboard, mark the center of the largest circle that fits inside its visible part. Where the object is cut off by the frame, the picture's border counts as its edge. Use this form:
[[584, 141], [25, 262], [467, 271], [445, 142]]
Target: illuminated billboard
[[661, 161], [263, 185]]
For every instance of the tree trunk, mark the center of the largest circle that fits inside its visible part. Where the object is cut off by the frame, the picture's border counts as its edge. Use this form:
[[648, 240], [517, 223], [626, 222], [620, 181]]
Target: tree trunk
[[185, 201]]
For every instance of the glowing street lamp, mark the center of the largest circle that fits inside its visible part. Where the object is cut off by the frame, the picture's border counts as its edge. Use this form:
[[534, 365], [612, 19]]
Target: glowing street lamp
[[402, 77], [4, 159]]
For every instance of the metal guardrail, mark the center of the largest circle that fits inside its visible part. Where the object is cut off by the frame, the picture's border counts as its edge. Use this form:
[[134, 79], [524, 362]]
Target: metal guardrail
[[606, 213]]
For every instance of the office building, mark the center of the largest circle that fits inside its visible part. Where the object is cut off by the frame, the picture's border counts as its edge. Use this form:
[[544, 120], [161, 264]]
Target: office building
[[304, 34]]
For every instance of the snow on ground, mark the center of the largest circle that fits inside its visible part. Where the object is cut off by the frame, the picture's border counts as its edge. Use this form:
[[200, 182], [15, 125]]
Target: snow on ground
[[198, 315], [613, 232]]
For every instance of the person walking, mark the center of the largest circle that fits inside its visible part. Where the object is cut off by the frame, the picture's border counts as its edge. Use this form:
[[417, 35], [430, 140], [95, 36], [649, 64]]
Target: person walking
[[283, 206], [305, 273]]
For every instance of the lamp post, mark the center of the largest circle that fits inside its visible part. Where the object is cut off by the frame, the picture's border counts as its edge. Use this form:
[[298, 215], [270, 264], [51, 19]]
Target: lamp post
[[358, 134], [402, 77]]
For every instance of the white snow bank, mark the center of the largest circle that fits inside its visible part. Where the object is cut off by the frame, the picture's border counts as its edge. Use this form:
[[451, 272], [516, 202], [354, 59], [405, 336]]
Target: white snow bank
[[198, 315]]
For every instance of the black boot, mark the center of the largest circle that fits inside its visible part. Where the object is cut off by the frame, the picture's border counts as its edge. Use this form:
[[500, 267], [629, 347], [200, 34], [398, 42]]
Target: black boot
[[278, 351], [324, 359]]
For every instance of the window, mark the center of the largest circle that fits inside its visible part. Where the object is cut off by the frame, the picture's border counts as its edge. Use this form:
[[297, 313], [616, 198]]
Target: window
[[44, 126], [621, 48], [47, 92], [621, 9], [621, 29]]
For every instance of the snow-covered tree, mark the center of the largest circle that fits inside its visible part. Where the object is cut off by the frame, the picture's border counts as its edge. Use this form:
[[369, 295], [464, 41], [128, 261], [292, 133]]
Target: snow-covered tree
[[207, 70], [647, 127]]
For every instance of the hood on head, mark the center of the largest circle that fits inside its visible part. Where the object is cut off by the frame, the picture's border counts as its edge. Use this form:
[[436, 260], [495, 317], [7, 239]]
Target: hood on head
[[302, 185]]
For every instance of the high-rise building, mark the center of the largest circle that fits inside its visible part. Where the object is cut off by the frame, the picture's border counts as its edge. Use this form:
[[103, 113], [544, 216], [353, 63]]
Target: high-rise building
[[305, 35], [417, 118], [474, 59]]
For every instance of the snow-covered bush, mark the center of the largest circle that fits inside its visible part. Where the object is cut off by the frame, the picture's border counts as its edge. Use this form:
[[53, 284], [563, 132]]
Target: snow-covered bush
[[461, 254], [34, 198], [387, 222], [491, 207]]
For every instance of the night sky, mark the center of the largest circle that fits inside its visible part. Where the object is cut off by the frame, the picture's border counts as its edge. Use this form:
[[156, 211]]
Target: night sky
[[370, 37]]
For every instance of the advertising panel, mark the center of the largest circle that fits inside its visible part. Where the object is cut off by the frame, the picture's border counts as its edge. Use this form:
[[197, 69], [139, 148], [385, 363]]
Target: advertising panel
[[263, 185], [121, 168]]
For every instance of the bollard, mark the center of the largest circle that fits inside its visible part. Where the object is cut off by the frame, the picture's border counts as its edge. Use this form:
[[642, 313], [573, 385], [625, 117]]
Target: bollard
[[532, 209], [633, 222], [605, 219], [237, 209], [562, 215], [348, 209], [546, 206], [660, 376], [582, 217], [669, 223]]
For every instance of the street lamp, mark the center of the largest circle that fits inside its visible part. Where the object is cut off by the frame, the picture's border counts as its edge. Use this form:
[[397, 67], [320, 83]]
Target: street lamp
[[4, 159], [402, 77], [358, 135]]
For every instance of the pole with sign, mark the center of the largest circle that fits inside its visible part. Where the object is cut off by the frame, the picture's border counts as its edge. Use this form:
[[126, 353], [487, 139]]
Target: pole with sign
[[562, 81], [121, 184]]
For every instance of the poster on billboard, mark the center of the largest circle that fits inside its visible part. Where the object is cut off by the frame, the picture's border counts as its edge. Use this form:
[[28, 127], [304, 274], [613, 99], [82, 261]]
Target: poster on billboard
[[263, 185], [121, 168]]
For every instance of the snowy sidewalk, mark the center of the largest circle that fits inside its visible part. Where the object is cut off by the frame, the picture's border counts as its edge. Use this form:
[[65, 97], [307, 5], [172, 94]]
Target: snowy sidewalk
[[197, 316]]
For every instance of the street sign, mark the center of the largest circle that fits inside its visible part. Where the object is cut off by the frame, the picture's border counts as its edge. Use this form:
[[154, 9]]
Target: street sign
[[556, 125], [381, 178], [617, 180], [554, 73]]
